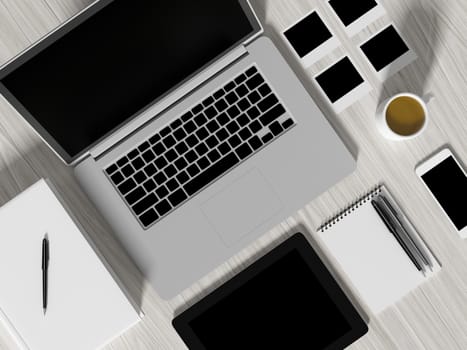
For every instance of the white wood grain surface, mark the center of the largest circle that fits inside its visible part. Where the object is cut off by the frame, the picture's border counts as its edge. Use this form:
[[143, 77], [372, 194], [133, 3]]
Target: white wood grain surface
[[432, 317]]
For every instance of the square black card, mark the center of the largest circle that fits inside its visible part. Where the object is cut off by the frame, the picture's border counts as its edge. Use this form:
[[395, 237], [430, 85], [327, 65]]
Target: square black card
[[384, 48], [306, 35], [349, 11], [339, 79]]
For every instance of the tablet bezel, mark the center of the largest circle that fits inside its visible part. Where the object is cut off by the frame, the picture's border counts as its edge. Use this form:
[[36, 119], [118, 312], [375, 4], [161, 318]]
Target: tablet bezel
[[296, 242]]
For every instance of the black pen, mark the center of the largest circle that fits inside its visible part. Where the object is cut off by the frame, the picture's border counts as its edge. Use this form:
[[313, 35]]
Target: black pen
[[391, 229], [414, 245], [45, 265]]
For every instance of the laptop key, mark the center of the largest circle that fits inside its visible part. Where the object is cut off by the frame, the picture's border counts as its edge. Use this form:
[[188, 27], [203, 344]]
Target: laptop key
[[243, 104], [243, 120], [268, 137], [219, 93], [222, 134], [190, 126], [213, 155], [181, 148], [111, 169], [127, 186], [171, 155], [254, 97], [207, 101], [233, 111], [196, 109], [149, 185], [181, 163], [210, 112], [250, 71], [175, 124], [117, 177], [135, 195], [234, 141], [271, 115], [267, 103], [203, 162], [144, 146], [253, 112], [160, 178], [255, 126], [287, 124], [149, 217], [191, 141], [169, 141], [162, 191], [182, 177], [241, 90], [179, 134], [150, 169], [254, 81], [212, 126], [243, 151], [200, 119], [138, 163], [223, 119], [191, 156], [229, 86], [177, 197], [221, 105], [202, 133], [193, 170], [245, 134], [170, 171], [128, 170], [160, 162], [154, 139], [240, 79], [264, 90], [163, 207], [224, 148], [231, 97], [255, 142], [276, 128], [186, 116], [232, 127], [212, 141], [133, 154], [172, 185], [210, 174], [122, 161], [140, 177], [159, 148], [148, 156], [145, 203], [201, 149]]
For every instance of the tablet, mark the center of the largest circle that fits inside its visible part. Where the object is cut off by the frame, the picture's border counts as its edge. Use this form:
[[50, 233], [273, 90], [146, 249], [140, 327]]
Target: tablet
[[286, 299]]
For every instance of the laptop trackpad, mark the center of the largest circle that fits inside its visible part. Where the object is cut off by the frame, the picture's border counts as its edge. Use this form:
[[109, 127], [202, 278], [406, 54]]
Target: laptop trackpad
[[242, 207]]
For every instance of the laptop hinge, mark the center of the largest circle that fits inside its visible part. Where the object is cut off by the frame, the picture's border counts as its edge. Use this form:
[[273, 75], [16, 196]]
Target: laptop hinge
[[166, 102]]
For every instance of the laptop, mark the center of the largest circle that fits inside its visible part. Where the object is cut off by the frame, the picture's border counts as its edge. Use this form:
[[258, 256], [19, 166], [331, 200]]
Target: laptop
[[184, 125]]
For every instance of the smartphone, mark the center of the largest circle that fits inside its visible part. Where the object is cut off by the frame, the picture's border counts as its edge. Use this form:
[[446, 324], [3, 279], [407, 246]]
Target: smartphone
[[446, 180]]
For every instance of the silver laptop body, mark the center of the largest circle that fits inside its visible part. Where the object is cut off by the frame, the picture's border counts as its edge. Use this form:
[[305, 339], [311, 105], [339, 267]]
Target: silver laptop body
[[220, 218]]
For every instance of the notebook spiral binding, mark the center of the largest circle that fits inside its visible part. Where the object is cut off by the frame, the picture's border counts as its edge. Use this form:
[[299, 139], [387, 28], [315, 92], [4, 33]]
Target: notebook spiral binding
[[346, 211]]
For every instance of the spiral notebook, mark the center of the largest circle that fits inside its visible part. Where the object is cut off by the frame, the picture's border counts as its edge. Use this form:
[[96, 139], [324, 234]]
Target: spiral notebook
[[371, 260]]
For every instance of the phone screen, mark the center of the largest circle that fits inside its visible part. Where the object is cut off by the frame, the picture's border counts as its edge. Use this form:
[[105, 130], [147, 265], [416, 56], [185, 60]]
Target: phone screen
[[448, 184]]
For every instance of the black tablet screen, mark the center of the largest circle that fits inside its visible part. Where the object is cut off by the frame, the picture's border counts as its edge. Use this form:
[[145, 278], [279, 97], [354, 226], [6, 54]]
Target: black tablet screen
[[350, 11], [283, 307], [308, 34], [339, 79], [384, 48]]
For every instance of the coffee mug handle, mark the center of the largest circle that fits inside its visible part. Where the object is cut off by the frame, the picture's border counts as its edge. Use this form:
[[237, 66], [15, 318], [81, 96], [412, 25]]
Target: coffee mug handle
[[428, 97]]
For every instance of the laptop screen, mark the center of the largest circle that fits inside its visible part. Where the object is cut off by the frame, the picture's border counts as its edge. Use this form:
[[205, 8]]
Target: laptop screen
[[121, 59]]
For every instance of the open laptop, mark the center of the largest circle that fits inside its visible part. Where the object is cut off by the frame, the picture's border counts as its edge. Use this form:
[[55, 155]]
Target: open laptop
[[184, 125]]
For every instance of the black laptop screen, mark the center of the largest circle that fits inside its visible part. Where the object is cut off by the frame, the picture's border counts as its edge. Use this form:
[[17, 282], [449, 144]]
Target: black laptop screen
[[99, 74]]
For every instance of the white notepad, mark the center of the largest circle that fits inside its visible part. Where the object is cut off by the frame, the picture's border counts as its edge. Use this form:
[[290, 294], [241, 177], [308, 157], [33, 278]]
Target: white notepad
[[86, 307], [374, 263]]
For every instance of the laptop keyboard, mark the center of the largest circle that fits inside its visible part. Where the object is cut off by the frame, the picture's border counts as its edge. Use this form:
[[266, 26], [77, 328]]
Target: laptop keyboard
[[196, 148]]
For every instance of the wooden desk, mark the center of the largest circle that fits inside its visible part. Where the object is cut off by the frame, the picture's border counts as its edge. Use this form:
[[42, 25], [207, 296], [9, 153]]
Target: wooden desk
[[432, 317]]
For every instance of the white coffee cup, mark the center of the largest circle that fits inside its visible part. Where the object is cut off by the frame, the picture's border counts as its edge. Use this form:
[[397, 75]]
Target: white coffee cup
[[381, 117]]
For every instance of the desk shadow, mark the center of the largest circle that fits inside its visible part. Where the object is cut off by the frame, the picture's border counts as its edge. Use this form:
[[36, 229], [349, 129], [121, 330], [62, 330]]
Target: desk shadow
[[260, 8], [421, 26], [298, 228], [40, 162]]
